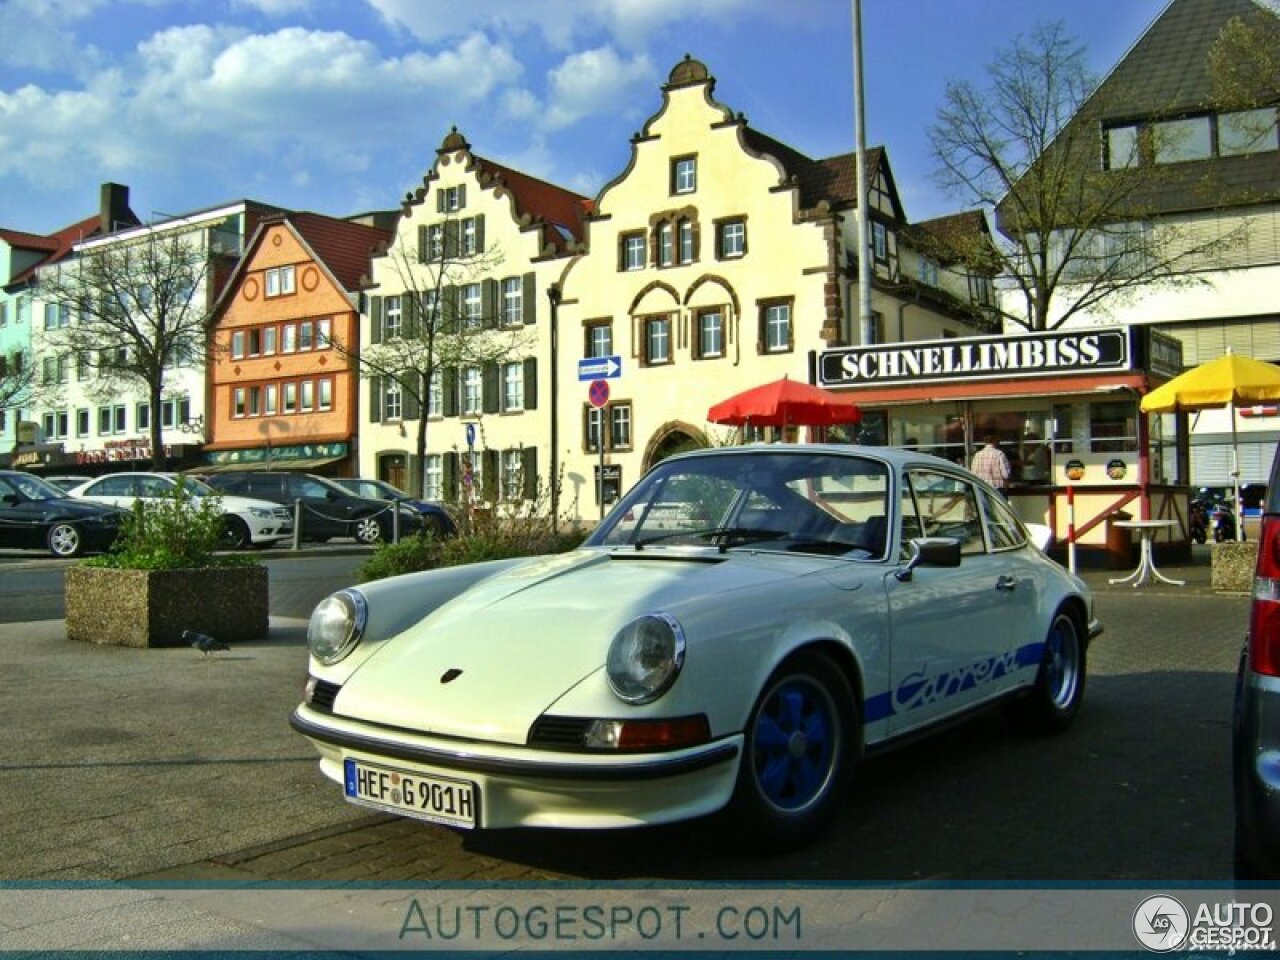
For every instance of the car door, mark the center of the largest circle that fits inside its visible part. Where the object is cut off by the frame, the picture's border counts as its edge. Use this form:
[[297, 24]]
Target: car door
[[950, 627], [321, 515], [20, 525]]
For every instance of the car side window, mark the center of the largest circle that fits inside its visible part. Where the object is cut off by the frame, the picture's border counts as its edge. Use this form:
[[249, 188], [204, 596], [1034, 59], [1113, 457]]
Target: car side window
[[113, 487], [153, 487], [947, 507], [306, 487], [1004, 532]]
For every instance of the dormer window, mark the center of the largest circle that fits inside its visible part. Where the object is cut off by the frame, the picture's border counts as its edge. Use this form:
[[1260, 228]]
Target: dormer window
[[684, 175]]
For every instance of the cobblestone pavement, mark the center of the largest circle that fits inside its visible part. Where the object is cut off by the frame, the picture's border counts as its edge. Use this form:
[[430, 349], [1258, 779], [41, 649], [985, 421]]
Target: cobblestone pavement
[[160, 765]]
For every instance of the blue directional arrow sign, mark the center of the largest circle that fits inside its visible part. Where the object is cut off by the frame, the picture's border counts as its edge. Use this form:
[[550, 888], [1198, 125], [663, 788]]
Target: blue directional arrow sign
[[599, 368]]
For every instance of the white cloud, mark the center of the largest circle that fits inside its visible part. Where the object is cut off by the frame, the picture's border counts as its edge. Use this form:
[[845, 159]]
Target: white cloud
[[40, 35], [274, 8], [594, 82]]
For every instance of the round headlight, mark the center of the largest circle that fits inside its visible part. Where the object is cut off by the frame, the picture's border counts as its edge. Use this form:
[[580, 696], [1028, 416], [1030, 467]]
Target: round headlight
[[336, 625], [645, 658]]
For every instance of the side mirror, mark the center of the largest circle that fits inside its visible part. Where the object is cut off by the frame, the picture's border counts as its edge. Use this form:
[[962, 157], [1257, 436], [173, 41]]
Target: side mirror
[[930, 552]]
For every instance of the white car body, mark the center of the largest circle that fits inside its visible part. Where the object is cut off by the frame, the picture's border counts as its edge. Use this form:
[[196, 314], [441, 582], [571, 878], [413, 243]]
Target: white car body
[[484, 696], [260, 522]]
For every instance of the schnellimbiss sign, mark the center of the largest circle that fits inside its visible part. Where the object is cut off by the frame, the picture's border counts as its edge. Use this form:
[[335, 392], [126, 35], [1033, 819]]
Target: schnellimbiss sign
[[977, 358]]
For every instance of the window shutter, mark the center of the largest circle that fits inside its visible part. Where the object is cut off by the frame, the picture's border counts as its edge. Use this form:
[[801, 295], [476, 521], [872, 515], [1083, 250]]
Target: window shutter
[[449, 309], [375, 399], [422, 244], [451, 240], [529, 472], [622, 252], [439, 200], [529, 298], [462, 196], [491, 383], [449, 391], [531, 384], [479, 233], [375, 319], [409, 308], [417, 478], [489, 481], [449, 480], [489, 302], [410, 384]]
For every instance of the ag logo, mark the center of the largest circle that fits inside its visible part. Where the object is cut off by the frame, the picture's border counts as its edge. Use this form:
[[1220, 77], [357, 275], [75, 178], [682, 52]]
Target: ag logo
[[1161, 923]]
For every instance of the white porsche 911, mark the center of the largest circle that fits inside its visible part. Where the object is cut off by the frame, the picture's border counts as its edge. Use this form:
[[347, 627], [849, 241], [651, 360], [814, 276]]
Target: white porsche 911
[[742, 628]]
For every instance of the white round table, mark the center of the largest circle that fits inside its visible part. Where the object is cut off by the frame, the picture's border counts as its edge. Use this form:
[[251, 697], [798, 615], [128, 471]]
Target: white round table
[[1147, 572]]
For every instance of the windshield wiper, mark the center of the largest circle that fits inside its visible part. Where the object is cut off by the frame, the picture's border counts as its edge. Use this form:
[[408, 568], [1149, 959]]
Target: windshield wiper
[[717, 536]]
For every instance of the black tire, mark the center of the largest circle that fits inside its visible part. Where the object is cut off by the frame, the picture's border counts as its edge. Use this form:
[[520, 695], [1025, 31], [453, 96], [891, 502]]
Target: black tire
[[801, 743], [65, 540], [235, 533], [1054, 701], [367, 530]]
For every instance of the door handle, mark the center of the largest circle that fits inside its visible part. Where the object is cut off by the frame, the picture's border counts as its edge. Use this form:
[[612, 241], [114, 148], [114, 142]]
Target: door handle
[[1006, 582]]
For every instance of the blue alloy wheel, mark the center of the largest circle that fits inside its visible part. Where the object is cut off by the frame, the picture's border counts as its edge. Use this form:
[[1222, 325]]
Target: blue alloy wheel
[[1062, 662], [794, 744]]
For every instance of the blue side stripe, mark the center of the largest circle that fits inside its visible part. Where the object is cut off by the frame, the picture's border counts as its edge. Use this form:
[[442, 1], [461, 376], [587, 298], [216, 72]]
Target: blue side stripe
[[880, 706]]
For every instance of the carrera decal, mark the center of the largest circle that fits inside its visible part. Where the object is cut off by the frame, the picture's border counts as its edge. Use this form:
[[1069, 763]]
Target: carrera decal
[[920, 688]]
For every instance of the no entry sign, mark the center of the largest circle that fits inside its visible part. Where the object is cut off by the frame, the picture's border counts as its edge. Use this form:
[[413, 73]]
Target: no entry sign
[[598, 393]]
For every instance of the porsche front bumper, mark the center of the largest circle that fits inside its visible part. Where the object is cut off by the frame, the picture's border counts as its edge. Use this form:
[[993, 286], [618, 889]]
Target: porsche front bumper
[[522, 787]]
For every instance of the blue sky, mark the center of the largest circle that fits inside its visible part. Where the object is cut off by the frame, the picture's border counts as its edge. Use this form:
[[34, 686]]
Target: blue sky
[[338, 106]]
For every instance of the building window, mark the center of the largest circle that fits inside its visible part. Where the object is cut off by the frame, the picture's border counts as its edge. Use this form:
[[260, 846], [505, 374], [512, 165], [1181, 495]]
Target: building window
[[472, 391], [324, 333], [512, 302], [111, 420], [1177, 140], [272, 400], [599, 340], [56, 425], [710, 333], [879, 241], [453, 198], [1113, 427], [280, 281], [82, 421], [268, 341], [392, 318], [306, 335], [512, 387], [620, 426], [433, 478], [684, 175], [4, 314], [435, 241], [512, 474], [435, 394], [255, 401], [592, 429], [927, 271], [325, 390], [633, 252], [1248, 131], [56, 316], [776, 321], [255, 343], [288, 338], [472, 306], [308, 392], [392, 399], [237, 345], [290, 403], [1122, 148], [684, 232], [238, 403], [731, 240], [22, 310], [666, 244], [167, 414], [657, 340], [469, 241]]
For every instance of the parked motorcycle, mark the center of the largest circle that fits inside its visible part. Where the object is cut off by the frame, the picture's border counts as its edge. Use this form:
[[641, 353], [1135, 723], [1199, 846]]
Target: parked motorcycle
[[1222, 520], [1198, 520]]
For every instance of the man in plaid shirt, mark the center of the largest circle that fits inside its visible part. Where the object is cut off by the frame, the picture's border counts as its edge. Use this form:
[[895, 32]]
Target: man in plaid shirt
[[991, 464]]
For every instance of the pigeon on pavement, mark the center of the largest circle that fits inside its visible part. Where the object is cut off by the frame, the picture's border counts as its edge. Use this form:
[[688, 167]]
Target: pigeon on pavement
[[203, 642]]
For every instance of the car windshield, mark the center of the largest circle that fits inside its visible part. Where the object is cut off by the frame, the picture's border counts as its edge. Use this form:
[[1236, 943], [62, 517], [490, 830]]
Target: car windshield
[[803, 502], [34, 488]]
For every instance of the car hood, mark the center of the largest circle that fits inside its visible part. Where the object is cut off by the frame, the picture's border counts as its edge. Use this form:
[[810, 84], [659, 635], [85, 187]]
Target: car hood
[[488, 663], [235, 504]]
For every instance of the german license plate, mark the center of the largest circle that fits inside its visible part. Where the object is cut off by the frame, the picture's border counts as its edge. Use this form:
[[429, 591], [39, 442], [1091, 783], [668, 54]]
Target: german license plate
[[438, 799]]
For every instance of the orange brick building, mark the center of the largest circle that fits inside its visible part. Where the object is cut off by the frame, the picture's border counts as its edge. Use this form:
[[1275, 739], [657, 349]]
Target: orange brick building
[[283, 391]]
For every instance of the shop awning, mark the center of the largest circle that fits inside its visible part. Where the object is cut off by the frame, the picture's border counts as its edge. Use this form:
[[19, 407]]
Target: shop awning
[[277, 463]]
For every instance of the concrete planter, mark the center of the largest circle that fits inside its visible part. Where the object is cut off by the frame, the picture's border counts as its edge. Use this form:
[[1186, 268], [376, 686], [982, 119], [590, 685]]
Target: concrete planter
[[151, 608], [1232, 564]]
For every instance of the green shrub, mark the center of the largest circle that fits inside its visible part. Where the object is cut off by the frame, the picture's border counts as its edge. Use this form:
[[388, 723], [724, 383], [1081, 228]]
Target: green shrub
[[176, 532]]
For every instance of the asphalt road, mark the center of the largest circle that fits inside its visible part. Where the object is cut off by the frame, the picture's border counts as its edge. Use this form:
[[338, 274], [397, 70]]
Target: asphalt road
[[157, 764]]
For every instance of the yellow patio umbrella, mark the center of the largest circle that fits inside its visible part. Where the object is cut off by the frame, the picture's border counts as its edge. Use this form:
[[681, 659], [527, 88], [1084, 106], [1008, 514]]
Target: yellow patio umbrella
[[1226, 382]]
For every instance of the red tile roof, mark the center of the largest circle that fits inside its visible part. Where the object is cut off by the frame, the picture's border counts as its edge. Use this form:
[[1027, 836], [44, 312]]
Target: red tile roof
[[57, 244], [833, 179], [342, 246], [556, 206]]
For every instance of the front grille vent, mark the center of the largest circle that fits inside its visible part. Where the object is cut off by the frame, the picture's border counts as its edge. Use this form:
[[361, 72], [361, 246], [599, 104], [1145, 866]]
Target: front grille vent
[[323, 694], [559, 733]]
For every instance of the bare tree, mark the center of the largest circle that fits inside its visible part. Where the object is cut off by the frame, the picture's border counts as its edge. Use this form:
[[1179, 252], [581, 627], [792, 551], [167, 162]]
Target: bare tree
[[137, 309], [17, 380], [437, 331], [1074, 232]]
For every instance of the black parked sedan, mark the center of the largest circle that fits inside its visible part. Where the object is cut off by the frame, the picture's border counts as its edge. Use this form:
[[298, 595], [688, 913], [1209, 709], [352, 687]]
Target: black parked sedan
[[35, 514], [327, 509]]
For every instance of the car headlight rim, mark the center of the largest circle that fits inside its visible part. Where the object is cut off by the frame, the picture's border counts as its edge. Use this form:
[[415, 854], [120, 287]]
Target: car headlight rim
[[645, 658], [336, 626]]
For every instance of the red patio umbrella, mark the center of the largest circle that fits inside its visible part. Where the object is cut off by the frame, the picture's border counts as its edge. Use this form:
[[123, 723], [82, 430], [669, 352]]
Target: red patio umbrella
[[785, 403]]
